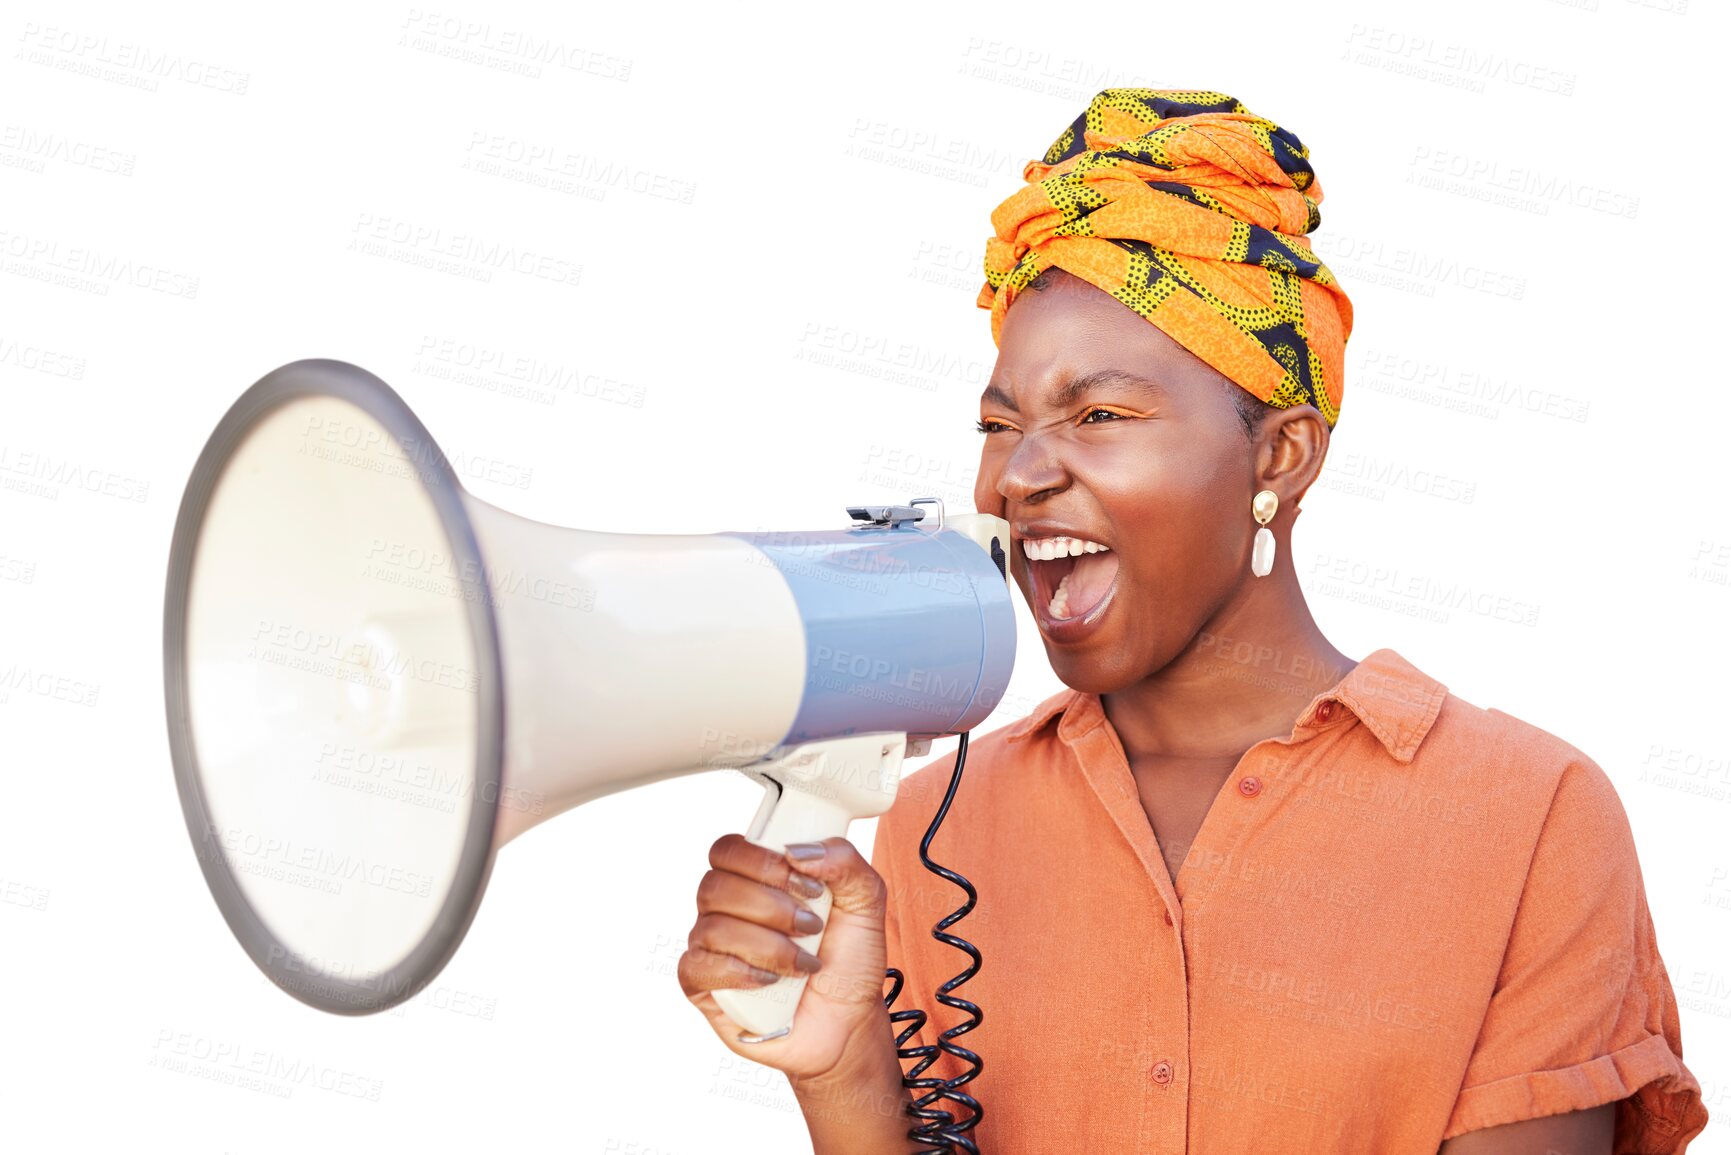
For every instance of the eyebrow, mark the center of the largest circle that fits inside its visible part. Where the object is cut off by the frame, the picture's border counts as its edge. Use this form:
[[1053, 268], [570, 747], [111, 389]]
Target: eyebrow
[[1068, 393]]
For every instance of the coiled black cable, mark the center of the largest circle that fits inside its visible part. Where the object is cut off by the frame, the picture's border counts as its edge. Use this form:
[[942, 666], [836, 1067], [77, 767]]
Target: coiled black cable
[[940, 1127]]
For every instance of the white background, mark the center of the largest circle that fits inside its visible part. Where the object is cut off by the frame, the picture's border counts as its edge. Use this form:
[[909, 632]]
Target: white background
[[774, 221]]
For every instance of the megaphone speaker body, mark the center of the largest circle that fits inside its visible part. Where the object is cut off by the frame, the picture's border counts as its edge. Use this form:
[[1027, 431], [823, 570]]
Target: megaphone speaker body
[[375, 679]]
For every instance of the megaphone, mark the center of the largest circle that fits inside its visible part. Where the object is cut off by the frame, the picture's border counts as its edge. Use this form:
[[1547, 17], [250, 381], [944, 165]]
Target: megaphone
[[374, 679]]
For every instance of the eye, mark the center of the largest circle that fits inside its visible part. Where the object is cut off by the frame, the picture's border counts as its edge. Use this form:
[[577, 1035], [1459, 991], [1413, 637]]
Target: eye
[[1097, 409], [987, 426]]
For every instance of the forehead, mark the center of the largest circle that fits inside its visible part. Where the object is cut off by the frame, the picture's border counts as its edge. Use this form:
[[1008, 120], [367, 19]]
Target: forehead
[[1068, 338]]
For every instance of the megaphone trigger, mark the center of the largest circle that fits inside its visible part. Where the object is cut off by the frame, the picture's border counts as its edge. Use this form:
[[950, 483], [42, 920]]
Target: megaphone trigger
[[812, 792]]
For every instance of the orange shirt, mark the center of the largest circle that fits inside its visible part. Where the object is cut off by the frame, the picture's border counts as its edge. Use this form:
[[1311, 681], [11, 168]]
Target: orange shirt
[[1410, 918]]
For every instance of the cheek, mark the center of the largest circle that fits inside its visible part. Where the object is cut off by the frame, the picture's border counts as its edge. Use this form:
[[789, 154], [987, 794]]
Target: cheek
[[1173, 507]]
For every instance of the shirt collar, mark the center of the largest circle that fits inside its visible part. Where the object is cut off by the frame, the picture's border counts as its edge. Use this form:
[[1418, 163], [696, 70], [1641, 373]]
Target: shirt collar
[[1394, 699]]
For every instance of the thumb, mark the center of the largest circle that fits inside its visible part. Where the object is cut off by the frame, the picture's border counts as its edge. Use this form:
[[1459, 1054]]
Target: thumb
[[855, 888]]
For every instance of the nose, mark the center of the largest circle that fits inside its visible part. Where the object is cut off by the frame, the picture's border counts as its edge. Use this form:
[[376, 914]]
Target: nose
[[1031, 473]]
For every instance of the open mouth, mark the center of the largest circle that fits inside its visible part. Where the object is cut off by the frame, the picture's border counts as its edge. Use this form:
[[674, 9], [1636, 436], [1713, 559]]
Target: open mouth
[[1069, 587]]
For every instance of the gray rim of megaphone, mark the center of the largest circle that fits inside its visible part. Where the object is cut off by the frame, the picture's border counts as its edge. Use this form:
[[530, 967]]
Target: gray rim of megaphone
[[325, 378]]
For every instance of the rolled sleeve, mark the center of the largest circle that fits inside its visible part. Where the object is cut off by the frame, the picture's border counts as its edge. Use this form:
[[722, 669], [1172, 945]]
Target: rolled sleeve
[[1583, 1012]]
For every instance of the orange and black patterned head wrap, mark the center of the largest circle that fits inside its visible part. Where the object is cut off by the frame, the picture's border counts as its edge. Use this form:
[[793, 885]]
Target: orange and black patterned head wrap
[[1192, 211]]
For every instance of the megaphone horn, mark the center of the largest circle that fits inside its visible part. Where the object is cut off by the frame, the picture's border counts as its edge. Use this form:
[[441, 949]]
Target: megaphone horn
[[374, 679]]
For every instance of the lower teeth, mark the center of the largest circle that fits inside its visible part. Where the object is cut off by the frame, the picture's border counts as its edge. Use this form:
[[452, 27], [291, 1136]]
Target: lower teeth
[[1060, 607]]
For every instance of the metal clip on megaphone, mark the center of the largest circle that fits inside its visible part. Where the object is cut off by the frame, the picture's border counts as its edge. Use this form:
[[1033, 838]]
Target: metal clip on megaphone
[[374, 679]]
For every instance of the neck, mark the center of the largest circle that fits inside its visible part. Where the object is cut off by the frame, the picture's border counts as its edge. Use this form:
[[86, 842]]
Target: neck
[[1244, 677]]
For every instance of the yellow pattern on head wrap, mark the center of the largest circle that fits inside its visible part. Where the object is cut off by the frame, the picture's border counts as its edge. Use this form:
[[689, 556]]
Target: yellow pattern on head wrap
[[1191, 211]]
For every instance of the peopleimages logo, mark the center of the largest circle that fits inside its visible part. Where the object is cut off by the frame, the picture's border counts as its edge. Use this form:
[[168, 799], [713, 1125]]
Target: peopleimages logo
[[256, 853], [42, 475], [255, 1068], [89, 269], [370, 448], [121, 61], [464, 254], [26, 679]]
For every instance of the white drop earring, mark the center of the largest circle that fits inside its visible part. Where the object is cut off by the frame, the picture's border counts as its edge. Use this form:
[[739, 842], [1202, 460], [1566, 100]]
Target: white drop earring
[[1262, 507]]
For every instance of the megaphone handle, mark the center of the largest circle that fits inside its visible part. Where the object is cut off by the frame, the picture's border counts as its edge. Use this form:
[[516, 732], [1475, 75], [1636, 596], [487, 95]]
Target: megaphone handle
[[796, 815]]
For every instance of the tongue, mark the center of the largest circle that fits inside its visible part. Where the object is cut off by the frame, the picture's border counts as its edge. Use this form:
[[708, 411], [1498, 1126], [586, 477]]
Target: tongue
[[1088, 581]]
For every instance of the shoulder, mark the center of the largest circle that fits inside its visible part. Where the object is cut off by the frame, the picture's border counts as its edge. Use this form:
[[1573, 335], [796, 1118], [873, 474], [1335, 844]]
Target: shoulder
[[1530, 779], [1471, 787], [1525, 758]]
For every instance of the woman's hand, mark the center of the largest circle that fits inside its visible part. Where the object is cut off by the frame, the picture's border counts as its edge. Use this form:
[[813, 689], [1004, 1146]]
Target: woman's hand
[[746, 910]]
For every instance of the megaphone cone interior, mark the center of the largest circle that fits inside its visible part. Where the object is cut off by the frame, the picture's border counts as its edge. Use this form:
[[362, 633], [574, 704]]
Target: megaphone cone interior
[[374, 679]]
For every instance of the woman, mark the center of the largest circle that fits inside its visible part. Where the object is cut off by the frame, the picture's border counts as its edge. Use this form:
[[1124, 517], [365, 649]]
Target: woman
[[1237, 891]]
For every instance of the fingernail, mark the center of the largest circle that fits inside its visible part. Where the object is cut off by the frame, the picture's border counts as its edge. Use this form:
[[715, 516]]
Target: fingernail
[[763, 977], [804, 885], [807, 922], [807, 962], [806, 851]]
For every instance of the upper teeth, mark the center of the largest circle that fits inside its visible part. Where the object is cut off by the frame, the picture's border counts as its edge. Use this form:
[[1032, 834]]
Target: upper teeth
[[1047, 548]]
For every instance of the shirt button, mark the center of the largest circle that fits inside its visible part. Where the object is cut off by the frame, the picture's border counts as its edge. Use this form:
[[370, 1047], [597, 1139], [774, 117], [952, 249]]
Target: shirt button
[[1325, 711], [1250, 787], [1162, 1072]]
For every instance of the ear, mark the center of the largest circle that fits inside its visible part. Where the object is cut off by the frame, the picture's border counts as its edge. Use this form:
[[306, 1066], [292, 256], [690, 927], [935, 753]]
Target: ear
[[1291, 444]]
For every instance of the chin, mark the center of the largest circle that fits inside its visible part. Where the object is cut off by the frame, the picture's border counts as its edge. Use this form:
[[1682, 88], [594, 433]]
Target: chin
[[1104, 671]]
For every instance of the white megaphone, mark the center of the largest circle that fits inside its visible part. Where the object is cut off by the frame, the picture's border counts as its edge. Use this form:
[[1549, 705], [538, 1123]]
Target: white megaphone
[[374, 680]]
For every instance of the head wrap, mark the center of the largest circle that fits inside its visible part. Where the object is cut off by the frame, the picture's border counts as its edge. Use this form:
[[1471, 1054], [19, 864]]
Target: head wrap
[[1190, 210]]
